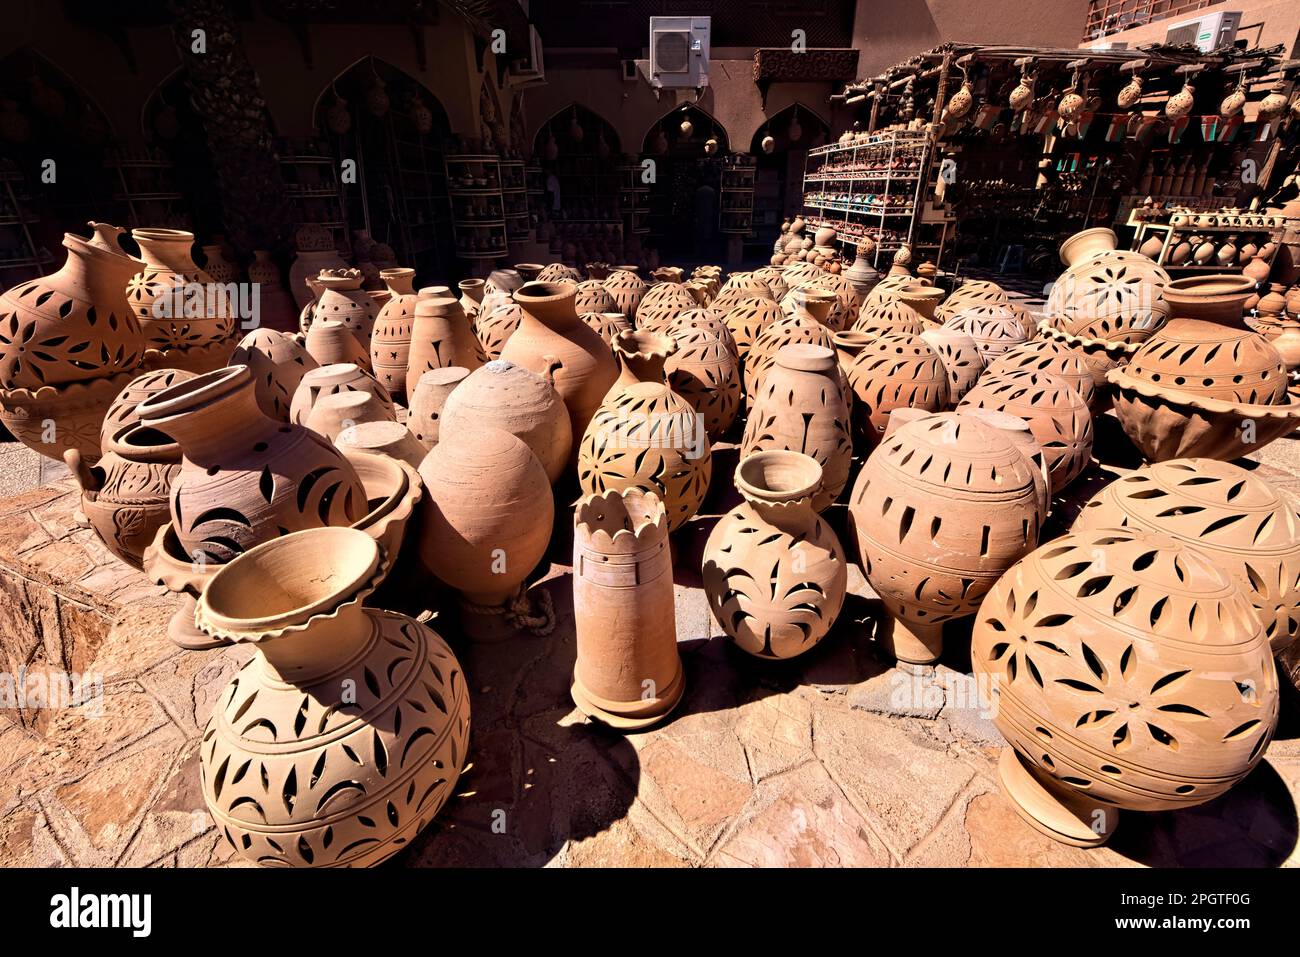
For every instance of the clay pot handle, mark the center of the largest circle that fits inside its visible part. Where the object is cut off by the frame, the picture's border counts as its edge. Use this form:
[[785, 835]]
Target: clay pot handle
[[90, 485], [551, 363]]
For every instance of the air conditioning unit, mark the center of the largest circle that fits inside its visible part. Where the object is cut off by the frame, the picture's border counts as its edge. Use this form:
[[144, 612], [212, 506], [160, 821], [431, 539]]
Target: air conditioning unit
[[679, 52], [1207, 33], [530, 69]]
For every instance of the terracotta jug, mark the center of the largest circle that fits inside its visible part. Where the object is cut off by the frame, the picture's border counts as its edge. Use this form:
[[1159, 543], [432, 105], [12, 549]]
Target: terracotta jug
[[368, 710], [390, 342], [706, 373], [774, 572], [424, 418], [801, 407], [441, 337], [505, 396], [277, 362], [179, 306], [628, 673], [246, 478], [343, 299], [550, 329]]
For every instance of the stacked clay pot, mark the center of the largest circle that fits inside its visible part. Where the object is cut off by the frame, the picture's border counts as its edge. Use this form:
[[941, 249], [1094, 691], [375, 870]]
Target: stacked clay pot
[[774, 572], [331, 379], [940, 510], [390, 340], [441, 337], [277, 363], [895, 371], [802, 407], [350, 780], [704, 371], [628, 673], [961, 358], [69, 343], [1120, 657]]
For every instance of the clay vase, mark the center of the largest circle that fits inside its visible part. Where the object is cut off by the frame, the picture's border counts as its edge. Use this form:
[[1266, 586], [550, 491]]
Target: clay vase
[[1257, 269], [331, 414], [216, 265], [506, 281], [330, 342], [276, 308], [424, 418], [472, 292], [327, 380], [246, 478], [343, 299], [628, 673], [1214, 298], [179, 307], [1227, 513], [368, 709], [505, 396], [390, 340], [441, 338], [862, 275], [747, 319], [485, 524], [801, 407], [382, 437], [277, 362], [774, 572], [647, 436], [641, 356], [896, 371], [705, 372], [961, 358], [1056, 413], [550, 330], [498, 318], [628, 289], [940, 510], [1131, 673], [1051, 357]]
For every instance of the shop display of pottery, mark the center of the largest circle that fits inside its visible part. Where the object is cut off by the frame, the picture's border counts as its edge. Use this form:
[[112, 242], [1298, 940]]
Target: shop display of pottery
[[390, 339], [505, 396], [497, 319], [244, 477], [1231, 515], [994, 328], [895, 371], [960, 355], [485, 524], [1056, 413], [441, 337], [628, 673], [1201, 389], [1131, 673], [424, 417], [1213, 298], [801, 406], [1052, 357], [705, 372], [277, 362], [628, 289], [551, 330], [774, 573], [940, 510], [329, 342], [349, 780], [661, 304]]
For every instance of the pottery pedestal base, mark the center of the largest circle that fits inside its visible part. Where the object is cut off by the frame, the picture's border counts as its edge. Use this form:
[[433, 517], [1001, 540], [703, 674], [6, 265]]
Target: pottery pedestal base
[[629, 715], [1066, 817], [185, 634], [912, 644]]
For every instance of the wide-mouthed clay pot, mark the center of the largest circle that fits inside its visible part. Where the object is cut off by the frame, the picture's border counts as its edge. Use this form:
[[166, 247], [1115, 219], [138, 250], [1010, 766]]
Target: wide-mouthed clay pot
[[802, 407], [961, 357], [246, 478], [705, 371], [497, 319], [940, 510], [774, 572], [329, 379], [628, 289], [642, 356], [393, 491], [1088, 244], [922, 297], [895, 371], [1201, 389], [441, 337], [181, 309], [1131, 672], [390, 340], [277, 361], [628, 673], [424, 418], [1215, 298], [1052, 357], [122, 412], [505, 396], [365, 712]]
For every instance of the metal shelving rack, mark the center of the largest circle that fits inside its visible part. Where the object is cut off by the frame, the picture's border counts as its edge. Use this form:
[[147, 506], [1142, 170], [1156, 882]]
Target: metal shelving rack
[[736, 197], [478, 208], [633, 199], [514, 197], [312, 187], [15, 220], [1171, 235]]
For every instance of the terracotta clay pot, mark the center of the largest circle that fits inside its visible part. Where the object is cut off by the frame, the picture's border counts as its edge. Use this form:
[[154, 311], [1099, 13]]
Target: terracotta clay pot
[[641, 357], [246, 478], [847, 303], [774, 276], [995, 329], [1053, 358], [607, 325], [628, 673], [706, 373], [961, 358], [1117, 297], [801, 407], [167, 563], [973, 292], [890, 315], [331, 414], [472, 293], [424, 418], [505, 396], [743, 285], [390, 340], [1216, 298], [486, 523], [330, 342], [747, 319], [806, 324], [556, 272], [774, 572], [647, 436], [1244, 524], [327, 380], [441, 338], [1120, 656], [661, 305], [940, 510], [1204, 389], [1088, 244], [122, 412], [393, 491], [178, 305], [550, 330], [921, 297], [382, 437], [893, 372], [355, 778], [508, 280], [628, 289], [498, 318], [592, 296], [277, 362]]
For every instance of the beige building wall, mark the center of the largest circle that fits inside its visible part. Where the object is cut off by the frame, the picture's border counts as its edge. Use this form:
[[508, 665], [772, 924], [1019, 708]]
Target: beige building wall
[[1264, 23]]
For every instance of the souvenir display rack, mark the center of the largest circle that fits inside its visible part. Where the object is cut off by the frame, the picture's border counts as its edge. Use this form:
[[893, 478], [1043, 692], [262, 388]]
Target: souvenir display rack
[[736, 196], [477, 205]]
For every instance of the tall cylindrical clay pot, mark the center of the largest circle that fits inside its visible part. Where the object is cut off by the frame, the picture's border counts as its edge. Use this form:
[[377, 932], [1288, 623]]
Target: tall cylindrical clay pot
[[390, 343]]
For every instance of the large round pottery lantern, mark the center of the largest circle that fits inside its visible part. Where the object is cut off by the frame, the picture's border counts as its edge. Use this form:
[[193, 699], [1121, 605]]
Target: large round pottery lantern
[[1055, 411], [1244, 524], [961, 357], [1130, 672], [890, 315], [498, 318], [1116, 297], [896, 371], [994, 328], [774, 572], [663, 303], [748, 318], [705, 372], [1203, 389], [973, 292], [1051, 357], [627, 288], [940, 510], [278, 363], [346, 732]]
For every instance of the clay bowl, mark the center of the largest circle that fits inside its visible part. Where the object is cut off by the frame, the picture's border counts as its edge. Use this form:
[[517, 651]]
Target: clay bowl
[[1217, 298], [922, 297], [393, 490]]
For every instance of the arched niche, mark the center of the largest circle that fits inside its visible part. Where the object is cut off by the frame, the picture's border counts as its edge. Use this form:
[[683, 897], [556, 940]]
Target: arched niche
[[597, 138], [779, 174], [703, 126]]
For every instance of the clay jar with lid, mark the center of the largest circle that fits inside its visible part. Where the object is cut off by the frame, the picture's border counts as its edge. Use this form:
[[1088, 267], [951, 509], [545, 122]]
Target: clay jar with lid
[[940, 510], [343, 299], [774, 572], [441, 337], [628, 673], [1120, 657], [511, 398], [801, 407], [895, 371], [246, 478], [390, 341], [277, 362], [358, 718], [550, 329]]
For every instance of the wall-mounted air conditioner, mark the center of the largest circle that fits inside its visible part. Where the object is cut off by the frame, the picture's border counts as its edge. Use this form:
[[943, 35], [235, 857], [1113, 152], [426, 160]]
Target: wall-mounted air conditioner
[[1207, 33], [530, 69], [679, 52]]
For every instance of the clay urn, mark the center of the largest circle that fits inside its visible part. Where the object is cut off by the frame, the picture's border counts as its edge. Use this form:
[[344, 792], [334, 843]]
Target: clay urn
[[1214, 298], [382, 437], [892, 372], [961, 358], [390, 340], [330, 342], [806, 324], [549, 330], [244, 477], [862, 275], [940, 510], [497, 319], [705, 371], [485, 525], [368, 710], [1131, 673], [1287, 343], [628, 673], [774, 572], [441, 337], [802, 407], [277, 362], [505, 396], [472, 294], [424, 418]]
